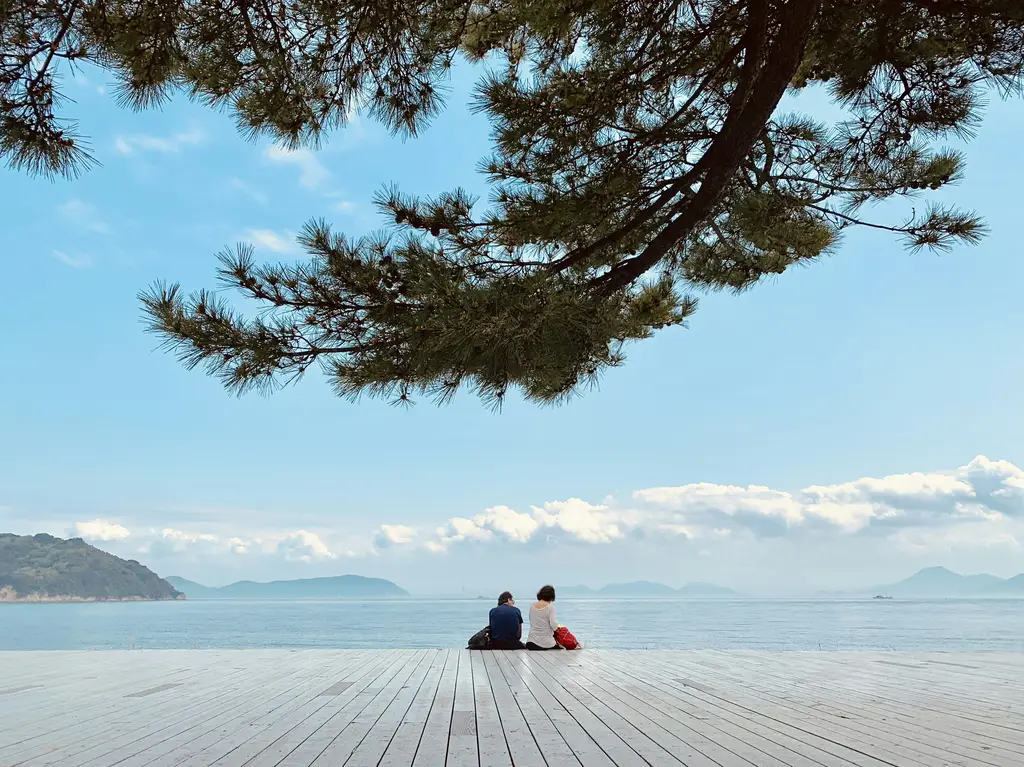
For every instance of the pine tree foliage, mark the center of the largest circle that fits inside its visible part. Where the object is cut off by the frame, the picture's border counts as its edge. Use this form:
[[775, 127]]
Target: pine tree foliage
[[640, 155]]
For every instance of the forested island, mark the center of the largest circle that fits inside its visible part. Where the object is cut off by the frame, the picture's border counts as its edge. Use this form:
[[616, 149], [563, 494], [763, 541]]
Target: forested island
[[42, 568]]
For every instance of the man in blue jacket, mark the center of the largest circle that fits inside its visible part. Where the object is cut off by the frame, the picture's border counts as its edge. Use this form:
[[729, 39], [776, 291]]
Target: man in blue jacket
[[506, 623]]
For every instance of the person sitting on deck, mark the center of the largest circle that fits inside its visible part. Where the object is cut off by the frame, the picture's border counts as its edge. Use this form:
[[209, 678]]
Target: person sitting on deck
[[506, 624], [542, 621]]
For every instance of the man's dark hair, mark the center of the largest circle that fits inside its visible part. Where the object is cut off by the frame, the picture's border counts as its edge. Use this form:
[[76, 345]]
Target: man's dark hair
[[546, 594], [505, 598]]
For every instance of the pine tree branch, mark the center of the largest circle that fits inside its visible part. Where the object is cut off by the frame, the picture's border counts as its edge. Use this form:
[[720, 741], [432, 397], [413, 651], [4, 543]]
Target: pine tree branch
[[738, 135], [677, 186], [65, 27], [858, 221]]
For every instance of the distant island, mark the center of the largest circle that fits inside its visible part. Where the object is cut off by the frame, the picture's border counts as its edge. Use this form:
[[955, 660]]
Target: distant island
[[938, 582], [649, 590], [42, 568], [336, 587]]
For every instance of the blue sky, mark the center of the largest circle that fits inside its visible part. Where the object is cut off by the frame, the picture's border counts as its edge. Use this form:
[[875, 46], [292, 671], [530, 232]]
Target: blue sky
[[873, 364]]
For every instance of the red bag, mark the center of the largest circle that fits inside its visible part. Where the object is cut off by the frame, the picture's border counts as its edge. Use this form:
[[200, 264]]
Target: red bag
[[565, 638]]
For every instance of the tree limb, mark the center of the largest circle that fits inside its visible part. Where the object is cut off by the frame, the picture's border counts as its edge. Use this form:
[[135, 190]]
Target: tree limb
[[726, 153]]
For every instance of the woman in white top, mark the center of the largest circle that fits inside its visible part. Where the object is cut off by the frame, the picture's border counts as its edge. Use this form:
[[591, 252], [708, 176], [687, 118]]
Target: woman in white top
[[542, 621]]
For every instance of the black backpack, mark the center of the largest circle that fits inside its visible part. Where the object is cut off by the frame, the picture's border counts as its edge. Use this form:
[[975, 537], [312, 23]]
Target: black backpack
[[481, 640]]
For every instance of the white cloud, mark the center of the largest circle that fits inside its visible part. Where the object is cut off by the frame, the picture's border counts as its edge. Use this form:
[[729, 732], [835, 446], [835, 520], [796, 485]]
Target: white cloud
[[981, 489], [75, 262], [83, 216], [345, 207], [265, 238], [495, 522], [101, 530], [142, 142], [705, 504], [584, 521], [978, 492], [508, 523], [304, 546], [189, 545], [575, 519], [394, 535], [181, 537], [312, 174]]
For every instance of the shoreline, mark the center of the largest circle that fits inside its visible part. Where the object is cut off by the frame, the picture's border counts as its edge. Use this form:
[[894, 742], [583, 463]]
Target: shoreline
[[10, 596]]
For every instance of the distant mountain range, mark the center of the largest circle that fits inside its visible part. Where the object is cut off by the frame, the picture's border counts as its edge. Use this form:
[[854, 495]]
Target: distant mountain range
[[648, 589], [940, 582], [337, 587]]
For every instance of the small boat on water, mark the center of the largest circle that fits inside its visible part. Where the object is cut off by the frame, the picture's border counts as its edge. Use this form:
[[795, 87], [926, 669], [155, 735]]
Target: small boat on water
[[879, 596]]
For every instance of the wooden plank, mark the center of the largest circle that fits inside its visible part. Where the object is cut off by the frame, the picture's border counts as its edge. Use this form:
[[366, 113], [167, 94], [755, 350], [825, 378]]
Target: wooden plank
[[57, 703], [343, 710], [686, 745], [945, 685], [580, 741], [235, 737], [742, 732], [269, 727], [73, 731], [772, 714], [432, 750], [554, 749], [321, 710], [144, 740], [922, 686], [519, 740], [631, 744], [463, 749], [340, 750], [375, 743], [494, 748], [430, 708], [700, 734], [403, 748], [887, 724], [811, 727], [970, 702], [74, 704]]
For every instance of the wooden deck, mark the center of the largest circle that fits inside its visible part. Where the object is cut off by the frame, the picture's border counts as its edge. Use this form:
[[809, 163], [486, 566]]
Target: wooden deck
[[441, 708]]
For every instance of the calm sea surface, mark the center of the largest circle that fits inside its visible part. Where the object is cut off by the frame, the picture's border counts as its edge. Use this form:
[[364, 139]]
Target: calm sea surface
[[903, 625]]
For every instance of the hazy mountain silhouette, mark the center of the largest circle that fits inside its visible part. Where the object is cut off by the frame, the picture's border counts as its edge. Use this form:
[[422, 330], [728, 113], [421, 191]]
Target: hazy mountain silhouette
[[942, 582], [336, 587], [699, 589], [1014, 585]]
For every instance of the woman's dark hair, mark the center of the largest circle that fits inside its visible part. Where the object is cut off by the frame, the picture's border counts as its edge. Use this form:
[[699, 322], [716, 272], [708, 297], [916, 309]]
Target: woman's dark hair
[[505, 598], [546, 594]]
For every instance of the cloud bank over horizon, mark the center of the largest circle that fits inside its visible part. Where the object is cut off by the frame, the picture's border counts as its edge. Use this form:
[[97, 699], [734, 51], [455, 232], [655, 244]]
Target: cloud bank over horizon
[[974, 513], [982, 490]]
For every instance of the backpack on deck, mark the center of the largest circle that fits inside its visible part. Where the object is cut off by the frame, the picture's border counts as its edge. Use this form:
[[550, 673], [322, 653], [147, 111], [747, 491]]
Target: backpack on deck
[[565, 639], [481, 640]]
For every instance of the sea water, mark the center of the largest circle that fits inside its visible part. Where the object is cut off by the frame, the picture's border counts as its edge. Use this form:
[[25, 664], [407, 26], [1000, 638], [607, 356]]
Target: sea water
[[948, 625]]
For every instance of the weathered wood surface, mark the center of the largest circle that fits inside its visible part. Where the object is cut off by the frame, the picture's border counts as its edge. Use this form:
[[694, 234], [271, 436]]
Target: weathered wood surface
[[450, 708]]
